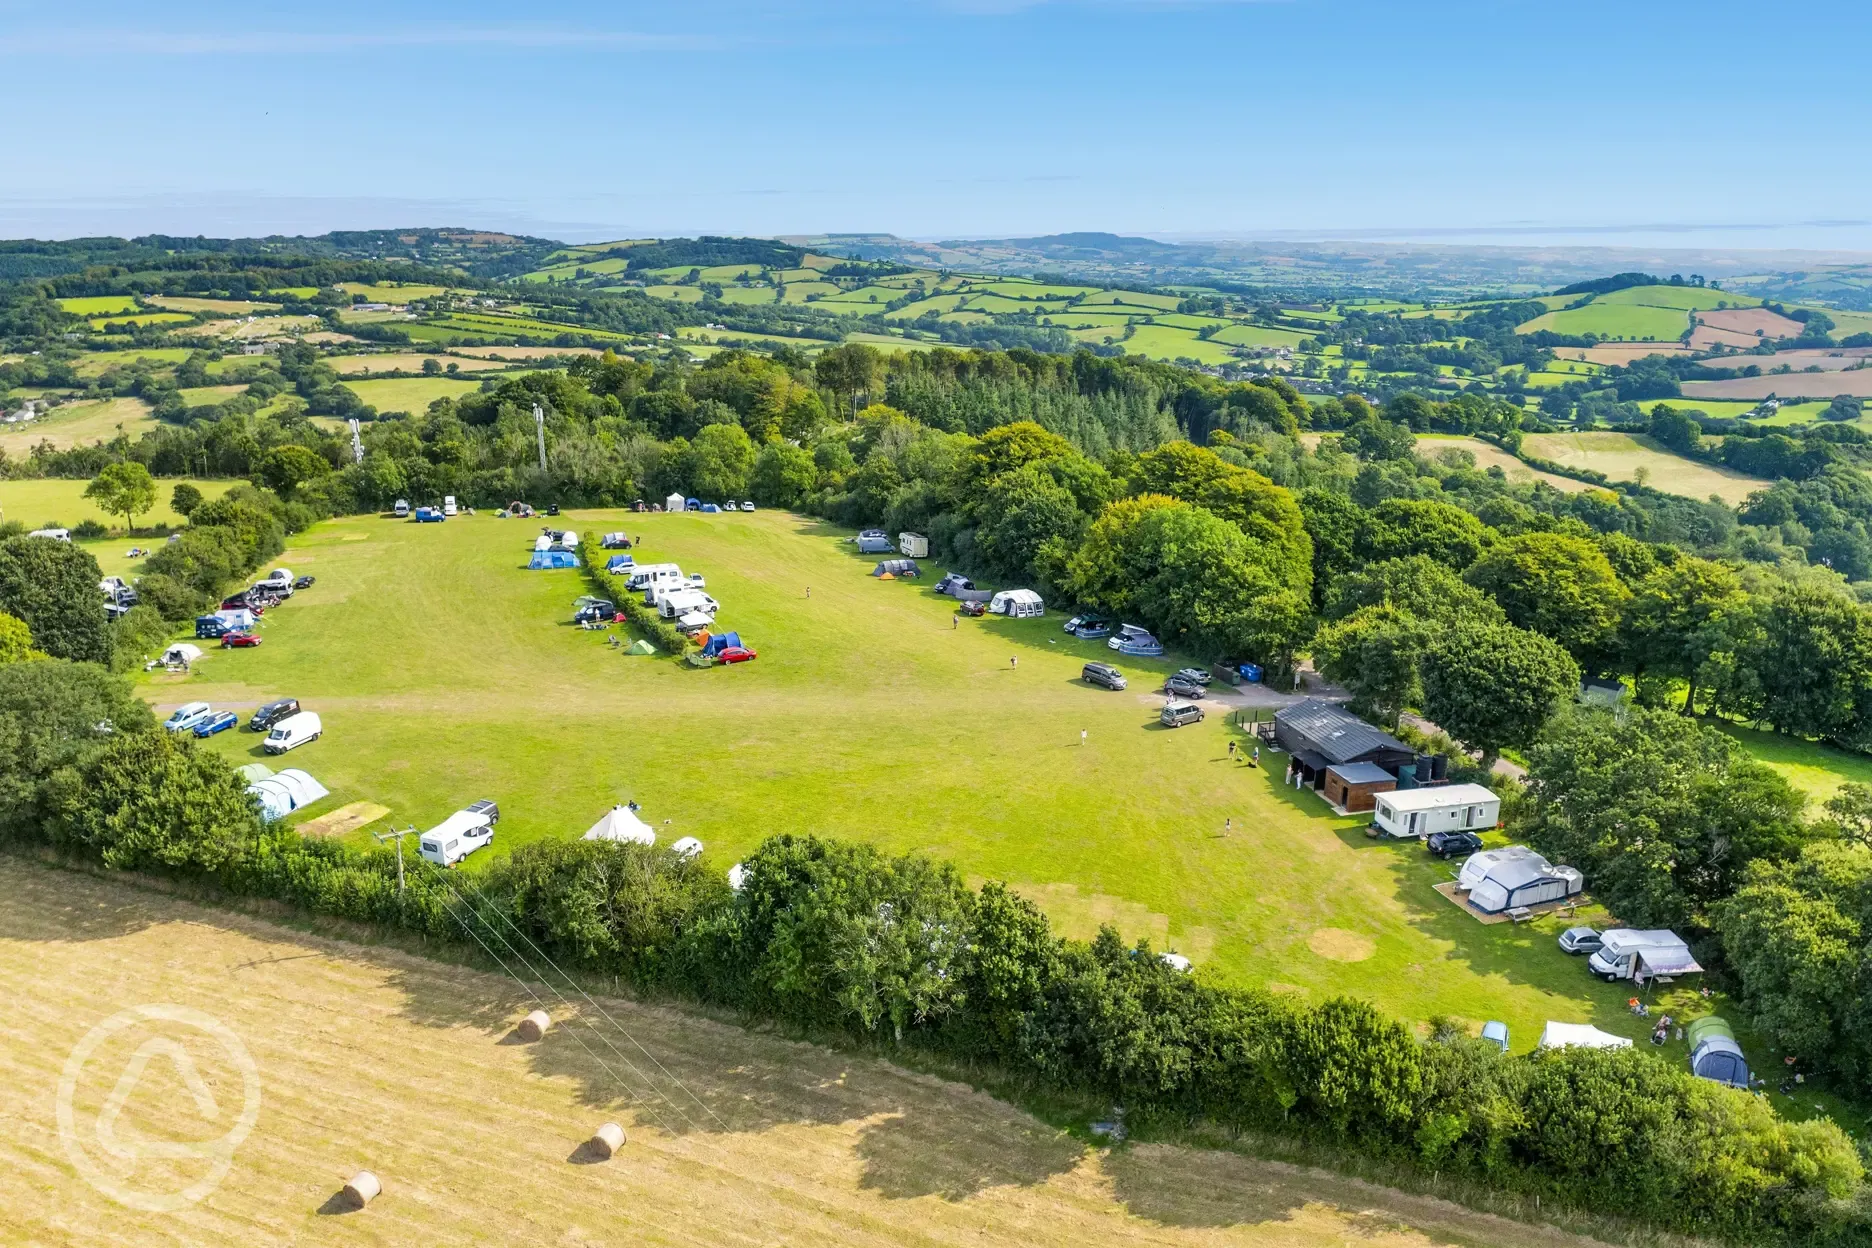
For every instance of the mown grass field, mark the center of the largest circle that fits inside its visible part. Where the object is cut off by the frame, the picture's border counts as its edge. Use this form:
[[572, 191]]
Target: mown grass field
[[408, 362], [409, 394], [1613, 320], [368, 1057], [446, 672], [98, 305], [42, 502], [76, 424], [1620, 456]]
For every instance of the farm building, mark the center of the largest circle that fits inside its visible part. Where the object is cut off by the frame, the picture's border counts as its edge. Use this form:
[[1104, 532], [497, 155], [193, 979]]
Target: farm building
[[1018, 604], [1356, 786], [1524, 882], [1321, 734], [1443, 808]]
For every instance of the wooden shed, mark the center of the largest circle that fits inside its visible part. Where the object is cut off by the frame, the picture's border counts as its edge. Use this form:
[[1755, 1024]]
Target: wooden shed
[[1356, 786]]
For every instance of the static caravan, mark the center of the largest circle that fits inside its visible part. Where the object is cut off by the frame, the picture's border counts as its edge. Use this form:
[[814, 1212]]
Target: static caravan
[[1445, 808]]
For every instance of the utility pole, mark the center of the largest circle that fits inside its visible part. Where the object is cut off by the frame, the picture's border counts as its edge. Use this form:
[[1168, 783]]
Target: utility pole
[[539, 427], [397, 835]]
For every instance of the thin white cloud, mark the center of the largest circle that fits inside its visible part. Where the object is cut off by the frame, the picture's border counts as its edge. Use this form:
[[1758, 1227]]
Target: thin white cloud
[[89, 42]]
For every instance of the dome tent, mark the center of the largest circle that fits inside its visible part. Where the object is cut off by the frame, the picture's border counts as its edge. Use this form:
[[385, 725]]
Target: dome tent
[[1714, 1053]]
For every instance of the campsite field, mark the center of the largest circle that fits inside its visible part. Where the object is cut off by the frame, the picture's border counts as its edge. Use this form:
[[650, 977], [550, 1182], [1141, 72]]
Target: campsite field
[[446, 672], [1620, 456], [74, 424], [370, 1057]]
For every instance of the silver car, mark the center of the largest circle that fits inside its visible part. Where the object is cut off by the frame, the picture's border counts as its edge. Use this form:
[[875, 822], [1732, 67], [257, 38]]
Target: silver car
[[1580, 940]]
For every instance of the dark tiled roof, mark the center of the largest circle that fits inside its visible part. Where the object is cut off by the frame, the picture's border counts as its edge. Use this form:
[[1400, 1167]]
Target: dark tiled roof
[[1335, 732]]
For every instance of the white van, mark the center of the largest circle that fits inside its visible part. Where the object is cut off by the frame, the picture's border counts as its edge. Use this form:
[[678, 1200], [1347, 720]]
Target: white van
[[651, 575], [448, 504], [456, 837], [402, 508], [292, 732], [676, 603]]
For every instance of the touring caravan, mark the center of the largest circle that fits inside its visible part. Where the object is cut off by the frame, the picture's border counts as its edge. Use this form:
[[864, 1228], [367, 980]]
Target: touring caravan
[[914, 545], [457, 836]]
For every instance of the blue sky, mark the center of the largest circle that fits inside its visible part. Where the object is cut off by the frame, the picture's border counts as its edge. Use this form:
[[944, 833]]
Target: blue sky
[[1694, 124]]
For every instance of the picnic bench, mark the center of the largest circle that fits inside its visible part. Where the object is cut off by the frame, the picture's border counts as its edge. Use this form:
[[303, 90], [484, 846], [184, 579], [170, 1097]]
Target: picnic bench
[[1520, 914]]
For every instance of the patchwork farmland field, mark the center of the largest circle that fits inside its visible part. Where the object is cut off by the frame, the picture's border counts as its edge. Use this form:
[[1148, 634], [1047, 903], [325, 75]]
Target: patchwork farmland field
[[372, 1057], [75, 424], [409, 394], [1630, 321], [1856, 381], [1619, 456], [41, 500], [445, 672]]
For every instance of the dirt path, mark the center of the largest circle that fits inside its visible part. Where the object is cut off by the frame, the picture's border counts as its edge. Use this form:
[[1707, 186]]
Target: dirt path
[[374, 1058]]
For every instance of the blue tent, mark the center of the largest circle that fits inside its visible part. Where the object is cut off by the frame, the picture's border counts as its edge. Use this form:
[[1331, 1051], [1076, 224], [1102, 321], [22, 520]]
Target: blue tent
[[553, 559], [711, 509], [719, 642], [620, 563], [692, 504]]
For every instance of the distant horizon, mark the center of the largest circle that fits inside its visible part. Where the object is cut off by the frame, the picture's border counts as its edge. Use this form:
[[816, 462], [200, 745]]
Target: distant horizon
[[1601, 123]]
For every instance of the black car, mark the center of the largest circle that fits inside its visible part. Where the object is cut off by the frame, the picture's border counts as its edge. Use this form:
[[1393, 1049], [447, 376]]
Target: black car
[[553, 510], [305, 582], [270, 714], [1180, 687], [599, 610], [1103, 674], [1453, 844]]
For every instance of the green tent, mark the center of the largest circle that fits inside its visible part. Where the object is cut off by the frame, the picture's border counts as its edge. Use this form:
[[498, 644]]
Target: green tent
[[640, 646], [254, 773]]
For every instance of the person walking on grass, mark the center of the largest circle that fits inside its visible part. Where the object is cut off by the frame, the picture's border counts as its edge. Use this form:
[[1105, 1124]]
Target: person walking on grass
[[1256, 760], [1013, 662], [955, 620], [1082, 736], [1228, 825], [809, 591], [1231, 751]]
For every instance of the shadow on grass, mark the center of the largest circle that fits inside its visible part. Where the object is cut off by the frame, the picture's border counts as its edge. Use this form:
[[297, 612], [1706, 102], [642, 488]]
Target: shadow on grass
[[912, 1154], [63, 913]]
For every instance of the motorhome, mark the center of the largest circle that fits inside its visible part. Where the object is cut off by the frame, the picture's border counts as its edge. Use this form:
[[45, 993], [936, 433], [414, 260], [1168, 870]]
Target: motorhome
[[457, 836], [650, 575], [292, 732], [448, 504], [1625, 953], [673, 604]]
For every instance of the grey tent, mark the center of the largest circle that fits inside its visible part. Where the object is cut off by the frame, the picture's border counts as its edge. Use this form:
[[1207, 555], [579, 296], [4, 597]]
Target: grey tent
[[1524, 882], [1714, 1053], [896, 567]]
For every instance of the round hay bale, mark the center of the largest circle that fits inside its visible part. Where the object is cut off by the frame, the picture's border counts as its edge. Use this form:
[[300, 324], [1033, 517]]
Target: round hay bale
[[609, 1140], [534, 1025], [362, 1188]]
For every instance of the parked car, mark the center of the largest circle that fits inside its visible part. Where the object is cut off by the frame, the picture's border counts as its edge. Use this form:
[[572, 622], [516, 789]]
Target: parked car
[[1104, 675], [239, 602], [1178, 687], [697, 581], [553, 510], [736, 654], [973, 609], [1580, 940], [220, 721], [1195, 675], [292, 732], [272, 713], [484, 807], [1453, 844], [240, 641], [305, 582], [598, 610], [747, 504], [1496, 1033], [186, 716], [1176, 714]]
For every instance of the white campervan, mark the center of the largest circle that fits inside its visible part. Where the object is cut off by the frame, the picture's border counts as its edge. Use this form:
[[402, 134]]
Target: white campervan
[[448, 504], [645, 576], [456, 837], [292, 732], [673, 604]]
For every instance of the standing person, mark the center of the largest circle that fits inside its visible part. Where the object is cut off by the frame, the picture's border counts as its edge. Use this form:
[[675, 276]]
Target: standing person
[[1256, 760], [1231, 751], [955, 620], [1013, 662], [1082, 736], [809, 591], [1228, 825]]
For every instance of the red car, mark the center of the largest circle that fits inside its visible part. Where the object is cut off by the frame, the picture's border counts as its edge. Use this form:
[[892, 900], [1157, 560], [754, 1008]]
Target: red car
[[736, 654], [238, 641]]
